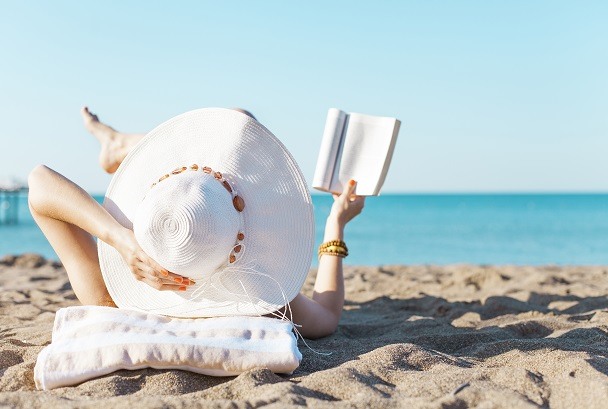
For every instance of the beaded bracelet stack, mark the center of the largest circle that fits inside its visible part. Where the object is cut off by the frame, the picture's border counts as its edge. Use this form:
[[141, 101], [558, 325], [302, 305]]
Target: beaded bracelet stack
[[333, 248]]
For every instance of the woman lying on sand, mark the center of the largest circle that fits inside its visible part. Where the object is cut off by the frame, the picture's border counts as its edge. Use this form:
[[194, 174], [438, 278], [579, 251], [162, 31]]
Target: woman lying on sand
[[70, 219]]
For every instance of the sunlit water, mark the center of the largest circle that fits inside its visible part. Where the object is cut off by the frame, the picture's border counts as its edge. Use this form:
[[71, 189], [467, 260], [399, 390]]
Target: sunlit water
[[439, 229]]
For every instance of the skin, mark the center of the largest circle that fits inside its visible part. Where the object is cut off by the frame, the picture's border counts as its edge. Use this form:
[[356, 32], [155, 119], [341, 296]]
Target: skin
[[70, 219]]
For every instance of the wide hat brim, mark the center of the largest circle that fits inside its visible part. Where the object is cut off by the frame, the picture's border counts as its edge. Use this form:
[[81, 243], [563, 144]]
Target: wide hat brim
[[278, 216]]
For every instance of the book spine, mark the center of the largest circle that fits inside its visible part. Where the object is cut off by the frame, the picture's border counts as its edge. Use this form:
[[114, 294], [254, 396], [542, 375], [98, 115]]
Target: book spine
[[328, 152], [335, 184]]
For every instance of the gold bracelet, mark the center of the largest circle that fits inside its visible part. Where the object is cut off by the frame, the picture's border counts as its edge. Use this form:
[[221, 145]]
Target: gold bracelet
[[331, 254], [333, 248], [333, 243]]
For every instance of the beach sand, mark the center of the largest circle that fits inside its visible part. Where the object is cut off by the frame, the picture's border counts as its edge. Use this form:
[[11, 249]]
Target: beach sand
[[411, 336]]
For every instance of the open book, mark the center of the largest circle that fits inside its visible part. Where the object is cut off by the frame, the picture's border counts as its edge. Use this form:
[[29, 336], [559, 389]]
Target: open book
[[355, 146]]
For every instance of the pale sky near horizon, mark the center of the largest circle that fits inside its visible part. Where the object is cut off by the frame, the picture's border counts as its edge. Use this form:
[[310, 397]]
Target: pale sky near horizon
[[493, 96]]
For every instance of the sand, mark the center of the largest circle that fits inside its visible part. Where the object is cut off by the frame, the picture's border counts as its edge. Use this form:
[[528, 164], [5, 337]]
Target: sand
[[411, 336]]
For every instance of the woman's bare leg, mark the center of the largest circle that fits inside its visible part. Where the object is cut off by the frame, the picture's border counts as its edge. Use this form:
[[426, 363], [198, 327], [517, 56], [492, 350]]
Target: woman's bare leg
[[116, 145]]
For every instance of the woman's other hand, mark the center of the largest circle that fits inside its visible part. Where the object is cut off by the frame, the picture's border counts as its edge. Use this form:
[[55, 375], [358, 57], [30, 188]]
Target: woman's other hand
[[144, 268], [347, 205]]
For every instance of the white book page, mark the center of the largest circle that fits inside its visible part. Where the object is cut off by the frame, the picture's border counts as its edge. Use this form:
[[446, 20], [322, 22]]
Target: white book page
[[367, 148], [328, 152]]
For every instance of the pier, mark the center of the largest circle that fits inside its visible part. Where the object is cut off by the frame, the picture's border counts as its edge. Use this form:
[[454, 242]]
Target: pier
[[9, 203]]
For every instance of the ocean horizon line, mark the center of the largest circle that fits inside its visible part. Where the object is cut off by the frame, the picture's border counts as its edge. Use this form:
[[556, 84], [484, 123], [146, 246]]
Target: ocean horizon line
[[466, 193], [523, 228]]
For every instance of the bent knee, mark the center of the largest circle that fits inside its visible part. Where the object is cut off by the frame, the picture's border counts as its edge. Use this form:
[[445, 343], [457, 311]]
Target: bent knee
[[36, 175], [36, 182]]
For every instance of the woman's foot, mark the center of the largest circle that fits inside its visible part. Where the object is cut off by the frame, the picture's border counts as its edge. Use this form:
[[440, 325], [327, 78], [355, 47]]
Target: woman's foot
[[113, 143]]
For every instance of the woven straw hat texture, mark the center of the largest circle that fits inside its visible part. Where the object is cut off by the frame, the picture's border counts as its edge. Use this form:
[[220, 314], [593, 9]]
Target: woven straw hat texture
[[277, 220]]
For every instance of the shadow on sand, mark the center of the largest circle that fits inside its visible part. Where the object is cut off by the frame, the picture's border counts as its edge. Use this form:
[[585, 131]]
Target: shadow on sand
[[467, 331]]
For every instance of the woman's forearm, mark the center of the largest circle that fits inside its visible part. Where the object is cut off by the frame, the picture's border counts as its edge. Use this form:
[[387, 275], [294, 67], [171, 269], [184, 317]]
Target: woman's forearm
[[320, 315], [329, 286]]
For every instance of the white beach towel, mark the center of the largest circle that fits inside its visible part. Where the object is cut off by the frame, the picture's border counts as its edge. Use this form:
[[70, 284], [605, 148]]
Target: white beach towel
[[91, 341]]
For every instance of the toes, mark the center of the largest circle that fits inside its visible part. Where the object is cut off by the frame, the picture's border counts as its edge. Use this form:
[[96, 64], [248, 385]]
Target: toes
[[88, 115]]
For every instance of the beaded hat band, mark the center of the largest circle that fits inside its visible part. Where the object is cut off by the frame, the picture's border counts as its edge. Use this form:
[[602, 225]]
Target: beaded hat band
[[237, 201]]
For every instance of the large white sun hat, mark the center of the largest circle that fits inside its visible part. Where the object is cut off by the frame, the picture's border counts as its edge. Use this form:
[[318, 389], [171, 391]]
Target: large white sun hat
[[212, 195]]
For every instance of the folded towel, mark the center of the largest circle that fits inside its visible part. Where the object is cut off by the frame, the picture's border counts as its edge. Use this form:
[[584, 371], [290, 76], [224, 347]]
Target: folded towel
[[91, 341]]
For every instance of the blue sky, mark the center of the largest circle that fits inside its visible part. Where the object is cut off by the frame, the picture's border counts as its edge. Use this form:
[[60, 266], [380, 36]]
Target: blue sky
[[493, 96]]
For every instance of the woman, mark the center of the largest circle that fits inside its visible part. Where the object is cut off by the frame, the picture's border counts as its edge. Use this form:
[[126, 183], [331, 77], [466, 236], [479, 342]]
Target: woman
[[70, 219]]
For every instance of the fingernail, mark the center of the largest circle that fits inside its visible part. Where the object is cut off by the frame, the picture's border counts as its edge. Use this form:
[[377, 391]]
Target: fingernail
[[164, 273], [186, 281], [182, 288], [352, 182], [178, 279], [192, 281]]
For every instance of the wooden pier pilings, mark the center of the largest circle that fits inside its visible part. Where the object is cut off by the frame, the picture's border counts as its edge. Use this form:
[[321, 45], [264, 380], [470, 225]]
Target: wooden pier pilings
[[9, 204]]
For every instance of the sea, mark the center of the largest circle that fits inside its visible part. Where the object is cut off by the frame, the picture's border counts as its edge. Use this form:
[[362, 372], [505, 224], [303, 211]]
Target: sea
[[515, 229]]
